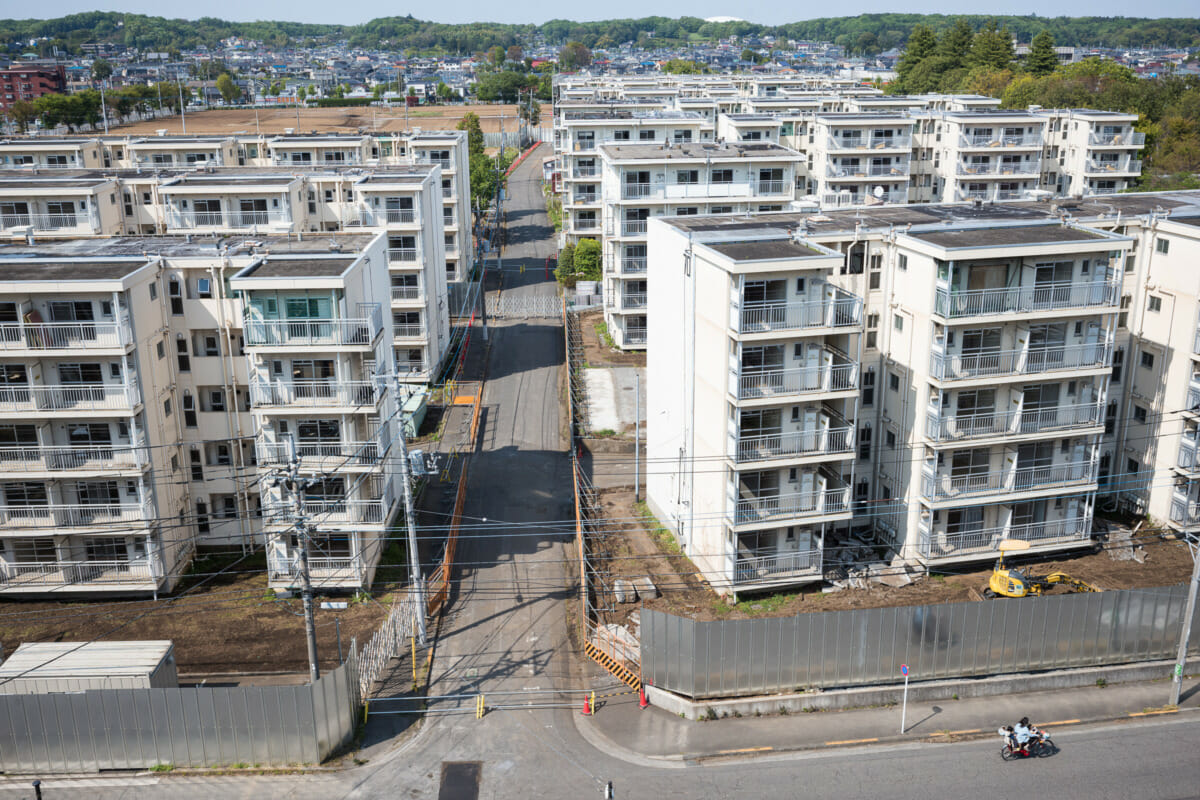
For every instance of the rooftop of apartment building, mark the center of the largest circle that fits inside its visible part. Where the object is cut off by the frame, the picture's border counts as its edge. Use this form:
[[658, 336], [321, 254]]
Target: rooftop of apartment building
[[627, 113], [1005, 236], [271, 267], [48, 269], [210, 174], [1183, 206], [765, 250], [56, 141], [186, 246], [698, 151], [855, 116], [83, 179]]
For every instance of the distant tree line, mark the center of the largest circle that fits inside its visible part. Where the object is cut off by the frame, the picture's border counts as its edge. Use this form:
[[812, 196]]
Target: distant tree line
[[866, 33]]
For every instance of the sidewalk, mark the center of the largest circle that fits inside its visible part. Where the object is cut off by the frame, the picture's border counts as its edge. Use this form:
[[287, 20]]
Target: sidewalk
[[656, 734]]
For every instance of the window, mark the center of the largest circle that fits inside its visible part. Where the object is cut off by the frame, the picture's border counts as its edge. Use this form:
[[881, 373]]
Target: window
[[722, 176], [229, 507], [1147, 360], [1162, 245], [889, 438], [216, 399], [687, 176], [902, 262], [873, 280], [189, 410], [212, 345], [197, 466], [1139, 413], [1118, 363], [1154, 303], [181, 352], [202, 516], [1132, 466], [864, 442], [868, 387], [898, 322], [204, 287], [167, 407], [893, 381], [646, 136], [1123, 317], [153, 292], [160, 348]]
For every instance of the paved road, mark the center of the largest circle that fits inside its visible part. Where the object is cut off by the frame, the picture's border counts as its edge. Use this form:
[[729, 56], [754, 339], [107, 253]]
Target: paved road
[[507, 632]]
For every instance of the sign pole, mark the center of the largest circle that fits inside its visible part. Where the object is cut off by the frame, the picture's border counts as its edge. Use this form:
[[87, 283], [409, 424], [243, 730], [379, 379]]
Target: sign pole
[[904, 705]]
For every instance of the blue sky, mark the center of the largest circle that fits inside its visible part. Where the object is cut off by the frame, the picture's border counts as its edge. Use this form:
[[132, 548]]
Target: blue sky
[[352, 12]]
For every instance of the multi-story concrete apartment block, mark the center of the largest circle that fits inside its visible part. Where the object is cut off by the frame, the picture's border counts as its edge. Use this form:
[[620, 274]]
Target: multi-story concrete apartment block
[[1096, 152], [859, 158], [84, 204], [1019, 369], [581, 133], [51, 153], [753, 387], [152, 395], [641, 181], [168, 152], [989, 156], [318, 349], [91, 489]]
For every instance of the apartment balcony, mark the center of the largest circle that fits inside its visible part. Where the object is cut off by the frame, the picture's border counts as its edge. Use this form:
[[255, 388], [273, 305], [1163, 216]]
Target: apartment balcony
[[895, 171], [60, 576], [403, 256], [358, 395], [52, 461], [954, 304], [633, 265], [289, 333], [703, 191], [1121, 166], [43, 337], [55, 223], [1192, 403], [444, 163], [633, 337], [1013, 423], [834, 440], [985, 541], [993, 194], [448, 192], [589, 225], [75, 516], [449, 220], [947, 486], [227, 220], [1184, 514], [1127, 139], [283, 569], [630, 301], [839, 375], [763, 188], [75, 398], [976, 142], [780, 568], [321, 456], [793, 505], [333, 512], [840, 310], [633, 227], [1030, 361], [583, 146], [408, 294], [847, 199], [586, 199], [398, 216], [1000, 169], [585, 172], [868, 142], [408, 366], [408, 333]]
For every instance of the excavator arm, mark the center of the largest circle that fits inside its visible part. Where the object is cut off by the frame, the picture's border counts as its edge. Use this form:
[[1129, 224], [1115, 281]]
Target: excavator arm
[[1063, 578]]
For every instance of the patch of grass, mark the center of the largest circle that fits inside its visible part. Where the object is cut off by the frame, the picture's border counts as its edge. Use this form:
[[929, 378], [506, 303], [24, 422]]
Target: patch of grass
[[763, 605], [604, 433], [603, 335], [1101, 683], [162, 768], [239, 765], [661, 535]]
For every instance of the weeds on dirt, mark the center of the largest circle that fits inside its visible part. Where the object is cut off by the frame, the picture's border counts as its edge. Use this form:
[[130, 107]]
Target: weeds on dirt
[[661, 535], [162, 768], [754, 605], [603, 335], [604, 433]]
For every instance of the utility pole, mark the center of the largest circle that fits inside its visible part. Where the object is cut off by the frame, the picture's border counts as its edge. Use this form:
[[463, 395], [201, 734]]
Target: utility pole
[[182, 110], [1189, 610], [414, 562], [637, 435], [103, 109], [297, 487]]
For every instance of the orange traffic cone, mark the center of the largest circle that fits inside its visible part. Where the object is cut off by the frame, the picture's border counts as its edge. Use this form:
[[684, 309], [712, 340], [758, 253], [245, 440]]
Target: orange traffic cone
[[587, 706], [642, 701]]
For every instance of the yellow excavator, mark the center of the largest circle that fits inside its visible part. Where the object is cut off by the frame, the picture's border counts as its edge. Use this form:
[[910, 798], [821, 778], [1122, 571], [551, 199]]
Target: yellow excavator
[[1013, 582]]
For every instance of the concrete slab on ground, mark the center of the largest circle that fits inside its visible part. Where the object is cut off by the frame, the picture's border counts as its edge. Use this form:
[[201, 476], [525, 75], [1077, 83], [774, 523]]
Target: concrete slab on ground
[[612, 398]]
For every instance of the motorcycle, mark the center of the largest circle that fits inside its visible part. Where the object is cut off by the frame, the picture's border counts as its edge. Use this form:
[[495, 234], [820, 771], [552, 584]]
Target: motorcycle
[[1040, 745]]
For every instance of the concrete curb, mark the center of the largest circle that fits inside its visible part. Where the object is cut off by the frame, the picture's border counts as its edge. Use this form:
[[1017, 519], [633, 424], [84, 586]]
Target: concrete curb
[[919, 691]]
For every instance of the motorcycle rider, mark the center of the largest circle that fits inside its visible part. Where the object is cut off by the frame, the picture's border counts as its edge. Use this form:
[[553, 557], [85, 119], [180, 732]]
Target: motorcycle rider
[[1023, 733]]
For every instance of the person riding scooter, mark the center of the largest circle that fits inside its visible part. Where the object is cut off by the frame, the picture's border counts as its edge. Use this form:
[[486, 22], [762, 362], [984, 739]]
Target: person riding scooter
[[1023, 733]]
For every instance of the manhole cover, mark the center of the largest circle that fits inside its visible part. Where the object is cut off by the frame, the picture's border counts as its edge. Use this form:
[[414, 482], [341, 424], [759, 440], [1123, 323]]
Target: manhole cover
[[460, 780]]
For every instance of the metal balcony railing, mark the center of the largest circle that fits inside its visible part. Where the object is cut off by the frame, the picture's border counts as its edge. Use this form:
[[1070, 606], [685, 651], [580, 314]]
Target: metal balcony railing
[[586, 199], [899, 171], [400, 216], [1184, 513], [633, 265], [58, 573], [405, 331], [47, 222], [407, 366], [1010, 423], [796, 504], [80, 397], [633, 227], [330, 569], [1000, 140], [1123, 166], [309, 332], [999, 363], [839, 376], [1000, 168], [792, 444], [1018, 299], [773, 187], [948, 486], [65, 458], [408, 293], [315, 393], [630, 191], [586, 224], [840, 311], [847, 199], [869, 142], [401, 255], [1192, 403], [321, 455], [332, 511], [759, 569], [1126, 139], [221, 219], [633, 300], [635, 336], [940, 544], [73, 515], [64, 335], [1187, 454], [585, 172]]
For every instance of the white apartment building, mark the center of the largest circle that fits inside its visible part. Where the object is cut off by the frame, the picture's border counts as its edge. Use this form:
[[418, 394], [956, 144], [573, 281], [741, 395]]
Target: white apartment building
[[1096, 151], [52, 153], [640, 181], [1016, 374], [318, 348], [856, 159], [154, 385], [985, 155]]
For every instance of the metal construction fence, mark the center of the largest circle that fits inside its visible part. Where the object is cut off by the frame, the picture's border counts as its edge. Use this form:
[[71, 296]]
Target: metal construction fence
[[193, 727], [388, 641], [730, 658], [508, 305]]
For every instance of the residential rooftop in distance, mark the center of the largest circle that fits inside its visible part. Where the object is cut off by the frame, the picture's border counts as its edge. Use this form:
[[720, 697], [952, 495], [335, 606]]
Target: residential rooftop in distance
[[1002, 236]]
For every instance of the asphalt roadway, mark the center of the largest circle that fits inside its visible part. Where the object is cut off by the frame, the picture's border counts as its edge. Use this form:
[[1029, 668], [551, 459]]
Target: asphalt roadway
[[506, 632]]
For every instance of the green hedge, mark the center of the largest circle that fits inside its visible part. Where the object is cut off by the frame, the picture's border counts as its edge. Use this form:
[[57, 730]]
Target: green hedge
[[336, 102]]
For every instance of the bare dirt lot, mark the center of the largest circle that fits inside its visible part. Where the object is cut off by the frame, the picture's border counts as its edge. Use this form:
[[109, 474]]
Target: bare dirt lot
[[332, 120], [637, 550], [230, 624], [596, 352]]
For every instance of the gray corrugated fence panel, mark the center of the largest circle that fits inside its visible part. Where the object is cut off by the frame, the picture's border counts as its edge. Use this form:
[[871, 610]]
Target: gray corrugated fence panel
[[860, 647]]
